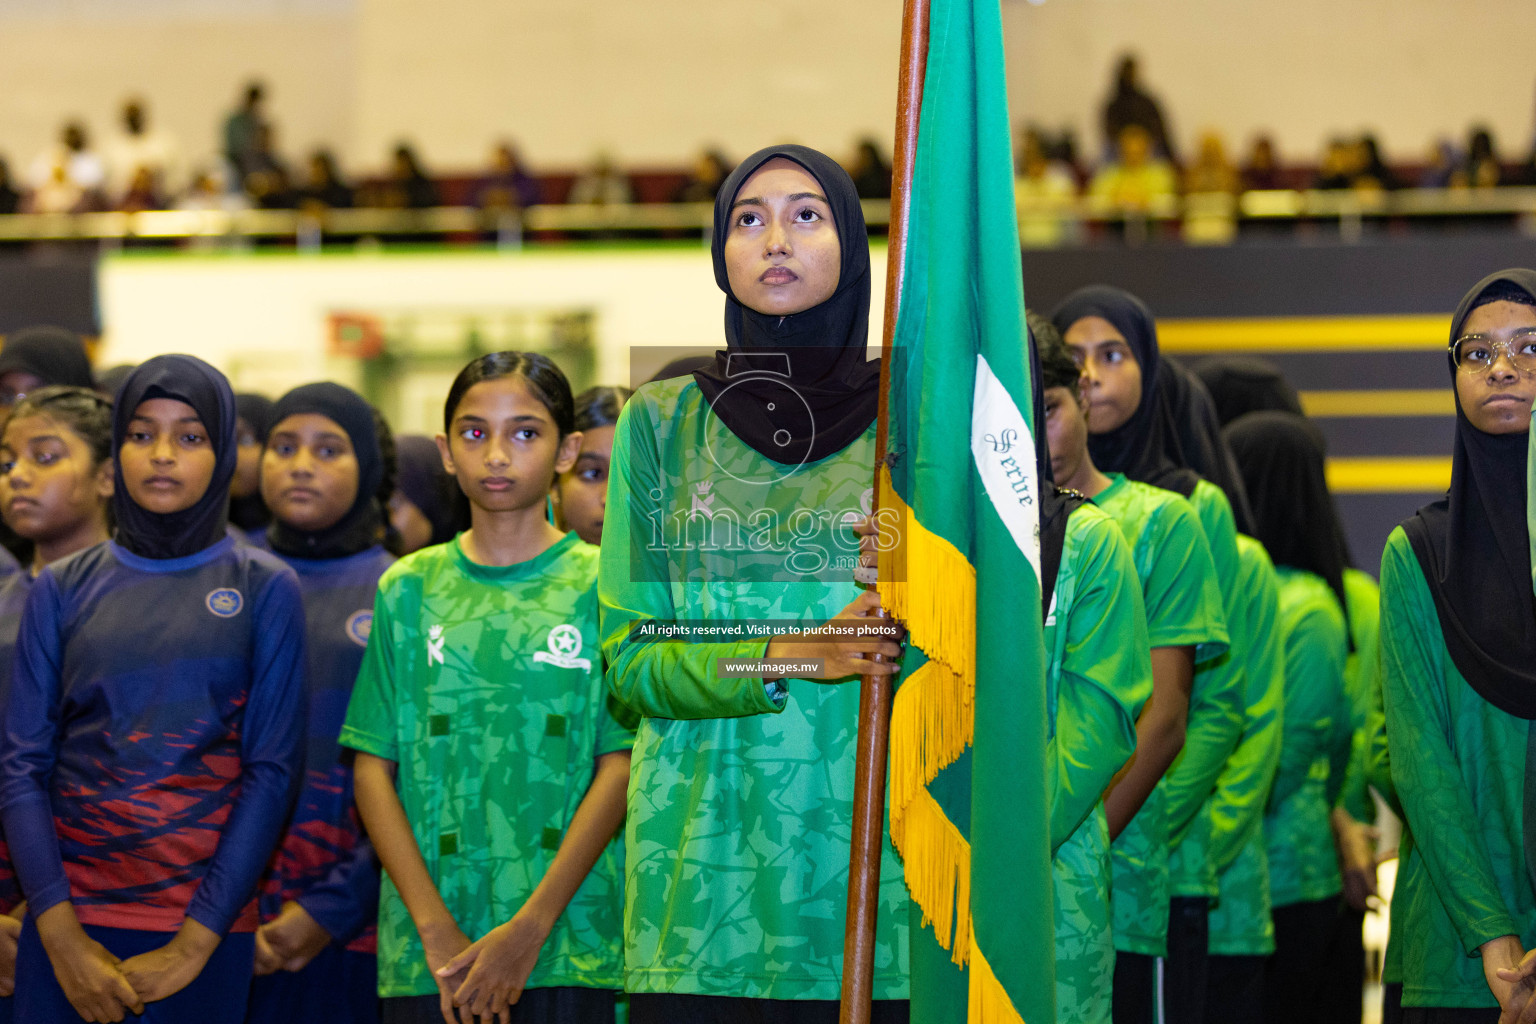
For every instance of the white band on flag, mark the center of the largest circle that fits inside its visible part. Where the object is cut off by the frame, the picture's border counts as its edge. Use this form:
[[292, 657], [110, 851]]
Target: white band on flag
[[1004, 451]]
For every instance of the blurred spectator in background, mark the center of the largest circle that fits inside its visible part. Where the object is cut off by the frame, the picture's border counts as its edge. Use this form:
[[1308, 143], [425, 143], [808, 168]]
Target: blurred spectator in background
[[1440, 164], [1261, 170], [509, 186], [10, 198], [266, 178], [1481, 167], [602, 184], [67, 177], [242, 129], [407, 187], [1372, 173], [138, 147], [324, 188], [1338, 166], [871, 172], [709, 171], [141, 193], [1129, 105], [1044, 193], [1211, 170], [210, 191], [1136, 180]]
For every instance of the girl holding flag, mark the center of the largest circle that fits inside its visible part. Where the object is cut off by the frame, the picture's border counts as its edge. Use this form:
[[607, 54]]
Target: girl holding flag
[[734, 493]]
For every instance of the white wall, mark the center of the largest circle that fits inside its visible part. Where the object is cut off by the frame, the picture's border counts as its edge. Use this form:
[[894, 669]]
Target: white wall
[[189, 59], [653, 81], [1304, 69]]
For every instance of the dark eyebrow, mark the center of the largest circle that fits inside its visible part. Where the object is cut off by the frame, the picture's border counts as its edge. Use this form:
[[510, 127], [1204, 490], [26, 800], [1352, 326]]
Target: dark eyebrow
[[793, 198]]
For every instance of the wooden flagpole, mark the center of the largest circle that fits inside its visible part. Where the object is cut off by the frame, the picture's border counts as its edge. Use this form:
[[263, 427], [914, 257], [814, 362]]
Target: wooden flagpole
[[876, 691]]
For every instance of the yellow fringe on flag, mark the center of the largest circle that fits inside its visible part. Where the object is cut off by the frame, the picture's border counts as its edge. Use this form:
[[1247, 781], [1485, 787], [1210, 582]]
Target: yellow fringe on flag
[[938, 870], [989, 1002], [931, 587]]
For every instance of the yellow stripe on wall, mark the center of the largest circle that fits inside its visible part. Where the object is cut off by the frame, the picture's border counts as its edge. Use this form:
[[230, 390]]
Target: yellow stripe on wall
[[1389, 475], [1304, 334], [1426, 402]]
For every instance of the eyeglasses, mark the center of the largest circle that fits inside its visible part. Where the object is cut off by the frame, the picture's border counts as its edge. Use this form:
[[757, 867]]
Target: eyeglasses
[[1476, 353]]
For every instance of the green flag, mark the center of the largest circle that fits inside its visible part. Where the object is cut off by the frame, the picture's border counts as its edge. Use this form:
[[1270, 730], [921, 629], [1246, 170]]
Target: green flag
[[968, 729]]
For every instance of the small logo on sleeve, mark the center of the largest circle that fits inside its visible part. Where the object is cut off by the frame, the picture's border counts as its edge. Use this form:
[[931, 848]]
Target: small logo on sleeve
[[359, 625], [224, 602], [564, 643], [435, 640]]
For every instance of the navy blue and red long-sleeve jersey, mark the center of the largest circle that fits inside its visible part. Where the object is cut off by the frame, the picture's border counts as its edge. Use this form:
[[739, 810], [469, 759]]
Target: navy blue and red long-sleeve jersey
[[325, 862], [153, 735], [13, 598]]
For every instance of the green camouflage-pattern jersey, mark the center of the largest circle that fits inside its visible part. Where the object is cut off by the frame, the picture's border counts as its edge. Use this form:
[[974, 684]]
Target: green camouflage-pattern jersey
[[1314, 743], [485, 685], [1240, 921], [1459, 766], [1184, 608], [1098, 676], [741, 793], [1215, 714]]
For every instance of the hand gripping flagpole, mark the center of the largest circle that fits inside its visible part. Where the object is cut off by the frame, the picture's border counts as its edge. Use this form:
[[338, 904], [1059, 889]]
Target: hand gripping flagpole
[[876, 691]]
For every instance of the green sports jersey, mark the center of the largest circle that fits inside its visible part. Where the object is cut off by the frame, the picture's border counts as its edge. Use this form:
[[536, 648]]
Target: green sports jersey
[[1314, 743], [1362, 601], [1098, 676], [1215, 715], [741, 794], [1458, 764], [1240, 921], [485, 685], [1184, 608]]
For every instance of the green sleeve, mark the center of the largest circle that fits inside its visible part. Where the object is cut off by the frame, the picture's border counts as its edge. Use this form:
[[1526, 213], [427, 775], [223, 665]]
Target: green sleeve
[[1237, 809], [1364, 688], [1424, 767], [672, 679], [1105, 675], [1378, 764], [1316, 713], [1216, 702], [1182, 593], [370, 725]]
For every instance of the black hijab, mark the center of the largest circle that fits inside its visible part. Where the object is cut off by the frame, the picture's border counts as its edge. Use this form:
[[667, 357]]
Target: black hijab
[[1055, 505], [1243, 384], [811, 365], [1473, 545], [54, 354], [426, 484], [362, 525], [250, 512], [1144, 446], [1198, 443], [177, 534], [1293, 513]]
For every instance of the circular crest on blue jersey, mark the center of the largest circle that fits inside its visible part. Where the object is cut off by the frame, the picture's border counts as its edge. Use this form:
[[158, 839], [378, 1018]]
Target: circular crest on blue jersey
[[359, 625], [224, 602]]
